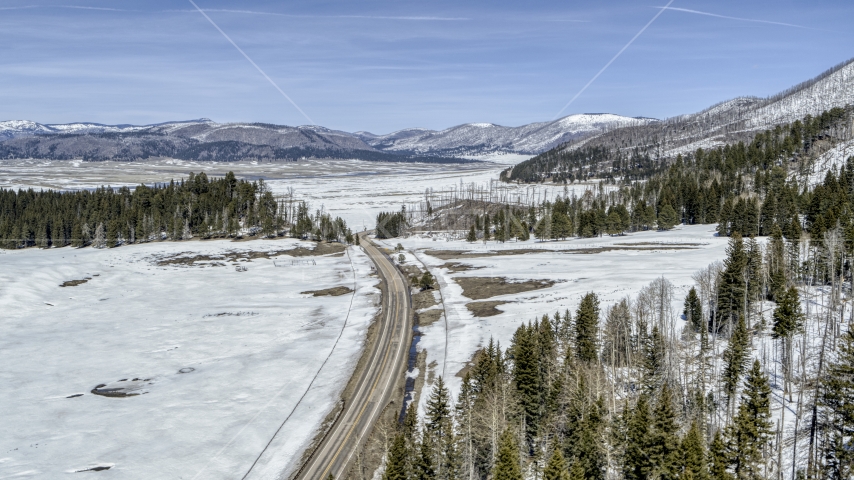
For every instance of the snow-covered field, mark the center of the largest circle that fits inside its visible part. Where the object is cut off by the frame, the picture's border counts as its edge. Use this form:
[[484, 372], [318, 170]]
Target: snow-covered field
[[622, 266], [214, 359]]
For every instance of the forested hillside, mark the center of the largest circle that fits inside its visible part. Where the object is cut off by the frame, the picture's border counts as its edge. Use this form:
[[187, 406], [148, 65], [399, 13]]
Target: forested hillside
[[746, 188], [196, 207], [751, 379]]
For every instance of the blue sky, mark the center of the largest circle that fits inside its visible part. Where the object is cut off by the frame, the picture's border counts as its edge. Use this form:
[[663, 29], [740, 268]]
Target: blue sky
[[386, 65]]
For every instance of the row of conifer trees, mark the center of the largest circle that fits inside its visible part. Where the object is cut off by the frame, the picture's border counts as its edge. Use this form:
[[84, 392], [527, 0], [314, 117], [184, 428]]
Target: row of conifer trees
[[196, 207]]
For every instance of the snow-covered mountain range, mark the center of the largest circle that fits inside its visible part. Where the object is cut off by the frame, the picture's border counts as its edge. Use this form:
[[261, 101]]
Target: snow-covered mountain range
[[484, 138], [471, 139]]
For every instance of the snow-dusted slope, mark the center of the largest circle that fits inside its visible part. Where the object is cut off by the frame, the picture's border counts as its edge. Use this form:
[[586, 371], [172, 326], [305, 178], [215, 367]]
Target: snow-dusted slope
[[482, 138], [733, 120], [835, 88], [26, 128]]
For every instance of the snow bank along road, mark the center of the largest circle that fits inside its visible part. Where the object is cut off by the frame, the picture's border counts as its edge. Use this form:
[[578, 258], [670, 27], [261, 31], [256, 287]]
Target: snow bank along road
[[375, 387]]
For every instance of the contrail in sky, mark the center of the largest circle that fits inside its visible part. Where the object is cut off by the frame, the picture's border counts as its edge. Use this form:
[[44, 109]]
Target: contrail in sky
[[612, 60], [732, 18], [259, 68], [368, 17]]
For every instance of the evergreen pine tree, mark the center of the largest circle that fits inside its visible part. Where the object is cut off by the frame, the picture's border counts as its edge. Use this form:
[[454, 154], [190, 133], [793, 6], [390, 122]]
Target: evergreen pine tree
[[508, 464], [556, 467], [735, 358], [718, 459], [694, 310], [423, 468], [526, 376], [576, 472], [732, 285], [837, 399], [653, 361], [487, 227], [750, 430], [667, 217], [788, 319], [395, 468], [587, 328], [694, 454], [472, 236], [663, 438], [776, 262], [543, 228], [637, 465]]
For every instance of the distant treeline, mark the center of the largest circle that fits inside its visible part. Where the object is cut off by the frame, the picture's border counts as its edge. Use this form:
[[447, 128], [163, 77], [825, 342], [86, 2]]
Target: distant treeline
[[196, 207]]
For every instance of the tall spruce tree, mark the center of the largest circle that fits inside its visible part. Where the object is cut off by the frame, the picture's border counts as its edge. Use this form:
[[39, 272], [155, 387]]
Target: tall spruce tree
[[694, 454], [637, 464], [556, 467], [837, 401], [663, 438], [397, 459], [423, 468], [735, 358], [732, 286], [693, 310], [750, 430], [508, 465], [472, 235], [788, 319], [719, 459], [587, 328], [527, 377]]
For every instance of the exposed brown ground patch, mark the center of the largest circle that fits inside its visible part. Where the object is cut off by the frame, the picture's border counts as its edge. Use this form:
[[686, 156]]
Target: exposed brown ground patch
[[455, 267], [74, 283], [462, 254], [479, 288], [470, 364], [640, 244], [187, 259], [485, 309], [409, 270], [429, 317], [458, 254], [422, 300], [331, 292]]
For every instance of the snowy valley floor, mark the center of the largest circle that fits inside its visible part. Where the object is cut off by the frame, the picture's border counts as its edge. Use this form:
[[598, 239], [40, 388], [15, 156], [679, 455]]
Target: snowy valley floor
[[204, 362]]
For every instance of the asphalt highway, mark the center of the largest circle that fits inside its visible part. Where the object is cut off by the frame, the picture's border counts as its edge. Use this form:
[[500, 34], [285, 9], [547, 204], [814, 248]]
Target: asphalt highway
[[376, 384]]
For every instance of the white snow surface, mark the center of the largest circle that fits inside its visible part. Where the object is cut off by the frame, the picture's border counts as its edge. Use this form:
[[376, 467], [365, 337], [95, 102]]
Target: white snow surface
[[249, 342], [831, 159], [612, 275]]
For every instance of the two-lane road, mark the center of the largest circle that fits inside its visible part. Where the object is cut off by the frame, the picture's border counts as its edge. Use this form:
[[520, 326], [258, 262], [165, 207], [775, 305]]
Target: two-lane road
[[376, 384]]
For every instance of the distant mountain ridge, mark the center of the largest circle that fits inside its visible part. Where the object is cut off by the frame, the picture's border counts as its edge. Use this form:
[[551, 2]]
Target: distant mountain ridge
[[204, 139], [485, 138]]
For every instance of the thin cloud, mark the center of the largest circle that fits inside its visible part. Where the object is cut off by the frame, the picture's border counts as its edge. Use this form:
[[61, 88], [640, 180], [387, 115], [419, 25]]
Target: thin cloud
[[76, 7], [366, 17], [740, 19]]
